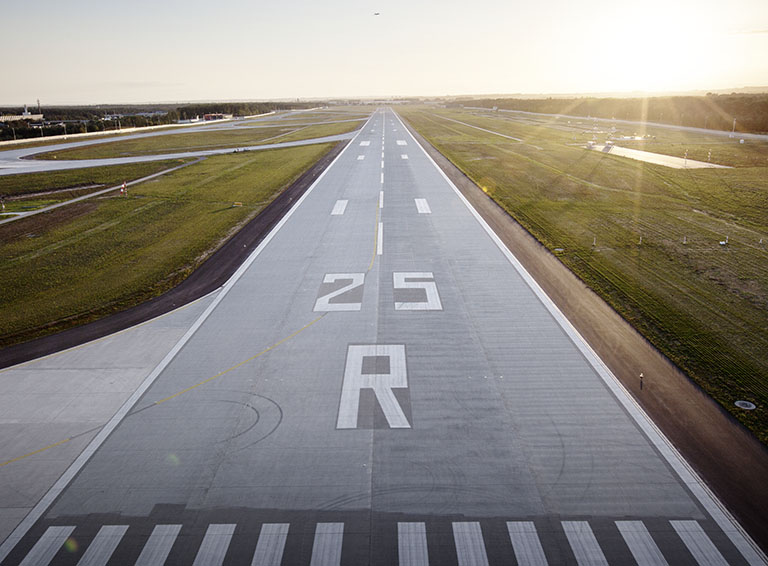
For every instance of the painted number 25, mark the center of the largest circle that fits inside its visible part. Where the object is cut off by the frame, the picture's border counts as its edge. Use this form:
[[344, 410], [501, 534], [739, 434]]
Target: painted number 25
[[414, 291]]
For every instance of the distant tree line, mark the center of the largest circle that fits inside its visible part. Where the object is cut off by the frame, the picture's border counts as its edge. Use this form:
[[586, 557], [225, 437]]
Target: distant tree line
[[714, 111], [80, 119], [189, 111]]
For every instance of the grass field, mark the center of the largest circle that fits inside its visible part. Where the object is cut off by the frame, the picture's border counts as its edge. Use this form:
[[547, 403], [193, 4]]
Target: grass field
[[703, 304], [86, 260], [213, 139], [72, 183]]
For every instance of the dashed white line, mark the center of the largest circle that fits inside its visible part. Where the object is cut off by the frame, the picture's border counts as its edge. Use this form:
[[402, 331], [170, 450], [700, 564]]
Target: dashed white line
[[365, 143], [339, 207], [402, 142], [382, 178], [422, 206], [381, 199], [380, 240], [382, 164], [360, 157], [403, 156]]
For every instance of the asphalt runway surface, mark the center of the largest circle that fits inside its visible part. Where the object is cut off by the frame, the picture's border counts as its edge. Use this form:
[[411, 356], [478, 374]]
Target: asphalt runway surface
[[381, 382]]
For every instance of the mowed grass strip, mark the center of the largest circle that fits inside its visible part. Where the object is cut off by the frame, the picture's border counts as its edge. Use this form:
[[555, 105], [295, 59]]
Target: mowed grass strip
[[229, 137], [86, 260], [703, 304], [75, 179]]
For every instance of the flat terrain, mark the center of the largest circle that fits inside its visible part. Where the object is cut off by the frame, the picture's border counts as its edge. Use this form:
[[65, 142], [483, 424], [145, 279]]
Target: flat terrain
[[380, 383], [646, 238], [180, 142], [92, 258]]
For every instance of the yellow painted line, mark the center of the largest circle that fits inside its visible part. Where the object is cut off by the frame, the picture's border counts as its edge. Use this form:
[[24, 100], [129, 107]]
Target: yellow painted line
[[59, 443], [272, 347]]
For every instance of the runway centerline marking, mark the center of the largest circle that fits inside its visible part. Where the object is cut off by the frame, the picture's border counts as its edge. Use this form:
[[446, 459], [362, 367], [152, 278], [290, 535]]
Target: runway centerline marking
[[376, 237], [380, 240], [403, 156], [360, 157], [381, 199], [365, 143]]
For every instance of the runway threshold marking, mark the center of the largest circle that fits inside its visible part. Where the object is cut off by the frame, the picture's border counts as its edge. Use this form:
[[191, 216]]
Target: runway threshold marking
[[412, 544], [525, 543], [48, 545]]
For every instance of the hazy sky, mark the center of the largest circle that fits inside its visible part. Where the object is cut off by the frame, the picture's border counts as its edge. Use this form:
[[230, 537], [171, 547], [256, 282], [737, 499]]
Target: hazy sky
[[111, 51]]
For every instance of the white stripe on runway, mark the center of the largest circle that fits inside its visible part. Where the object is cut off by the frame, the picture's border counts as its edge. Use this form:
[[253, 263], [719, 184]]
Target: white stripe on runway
[[360, 157], [47, 547], [365, 143], [402, 142], [159, 545], [269, 549], [697, 541], [381, 199], [526, 543], [380, 240], [326, 550], [422, 206], [470, 548], [382, 177], [101, 548], [339, 207], [214, 546], [382, 164], [641, 544], [584, 544], [412, 544], [403, 156]]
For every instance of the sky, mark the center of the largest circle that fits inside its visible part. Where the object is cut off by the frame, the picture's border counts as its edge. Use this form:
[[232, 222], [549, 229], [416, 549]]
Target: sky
[[119, 51]]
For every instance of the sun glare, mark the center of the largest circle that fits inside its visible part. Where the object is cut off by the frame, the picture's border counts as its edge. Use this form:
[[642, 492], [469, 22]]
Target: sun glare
[[651, 50]]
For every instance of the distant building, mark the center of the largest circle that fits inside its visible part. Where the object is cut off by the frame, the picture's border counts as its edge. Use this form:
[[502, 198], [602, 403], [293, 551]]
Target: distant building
[[26, 115], [209, 117]]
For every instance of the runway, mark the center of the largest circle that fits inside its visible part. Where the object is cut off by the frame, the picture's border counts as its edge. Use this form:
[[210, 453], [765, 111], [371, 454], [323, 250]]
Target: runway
[[380, 383]]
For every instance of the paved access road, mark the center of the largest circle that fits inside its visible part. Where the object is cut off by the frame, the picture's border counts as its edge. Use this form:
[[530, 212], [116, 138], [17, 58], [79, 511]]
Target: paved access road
[[380, 383], [16, 161]]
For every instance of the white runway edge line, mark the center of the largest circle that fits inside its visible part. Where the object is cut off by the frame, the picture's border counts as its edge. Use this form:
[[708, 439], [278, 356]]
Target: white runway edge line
[[740, 539], [61, 484]]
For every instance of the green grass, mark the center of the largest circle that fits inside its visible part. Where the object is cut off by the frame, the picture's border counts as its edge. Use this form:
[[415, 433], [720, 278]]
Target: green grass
[[75, 179], [215, 139], [86, 260], [704, 305]]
